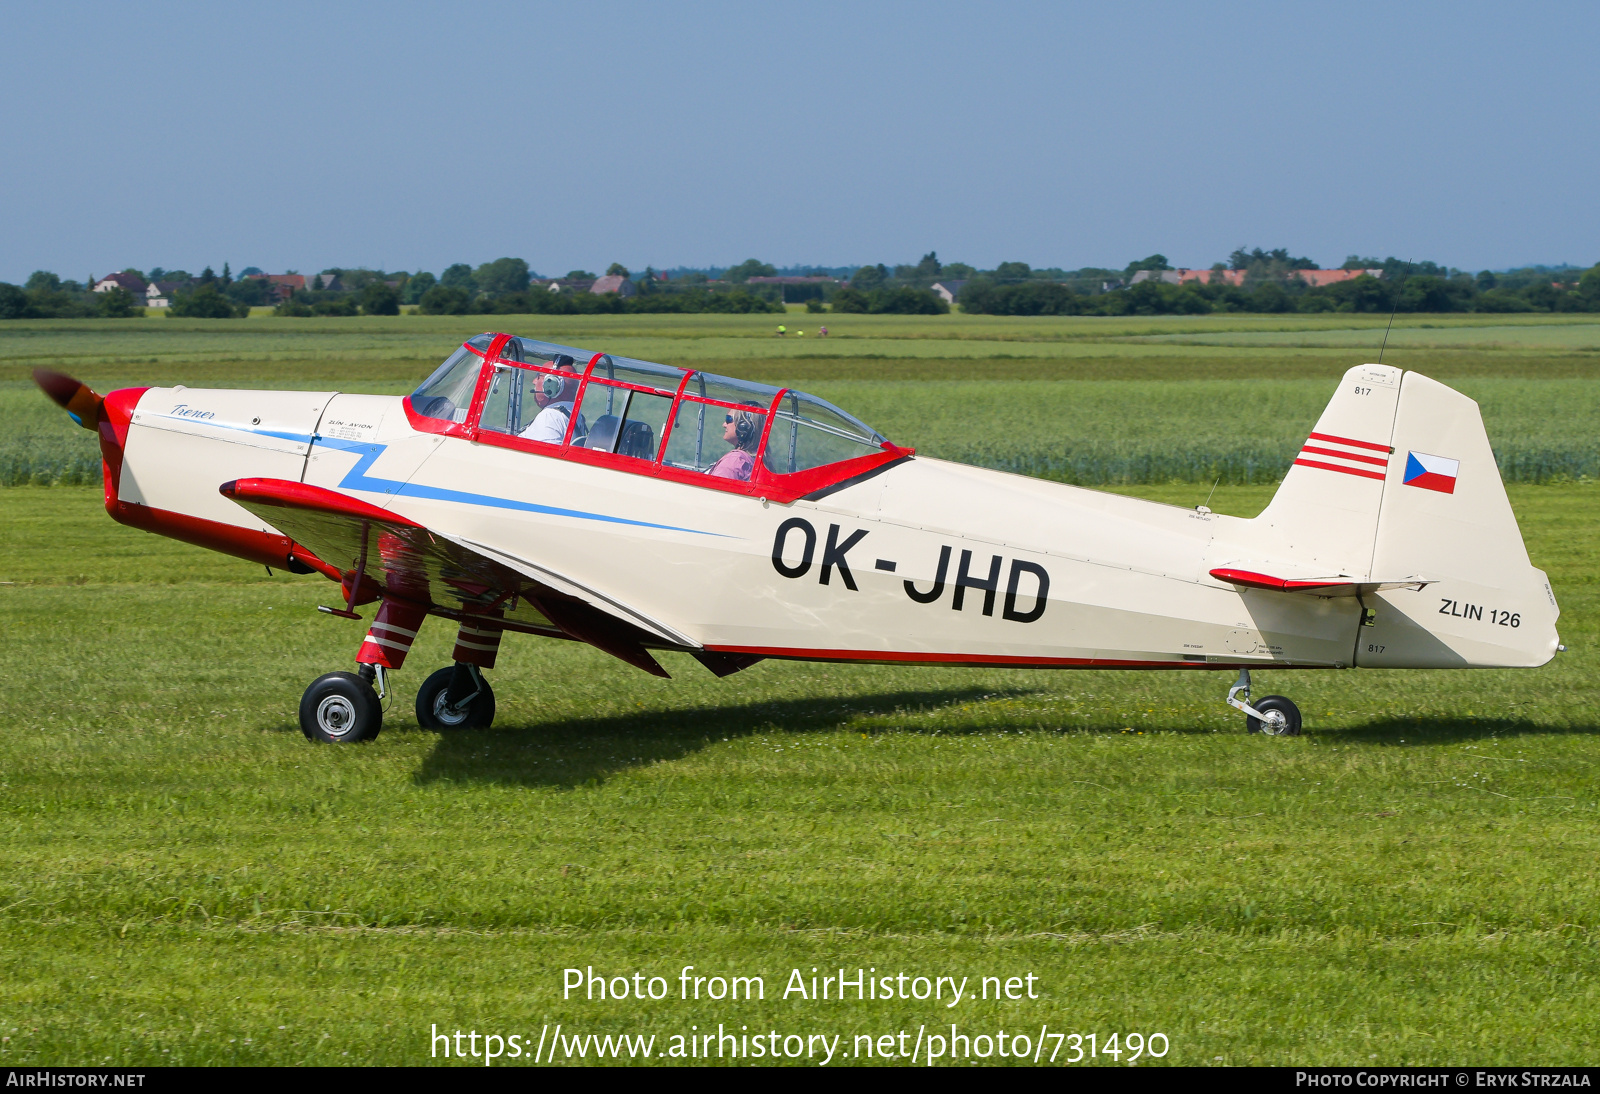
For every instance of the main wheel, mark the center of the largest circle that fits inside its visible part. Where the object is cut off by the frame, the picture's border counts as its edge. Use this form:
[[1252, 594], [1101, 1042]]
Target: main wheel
[[339, 708], [1282, 717], [435, 710]]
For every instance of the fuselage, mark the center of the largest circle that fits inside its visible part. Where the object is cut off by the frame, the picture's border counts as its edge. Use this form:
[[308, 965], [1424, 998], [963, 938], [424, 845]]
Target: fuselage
[[926, 561], [708, 513]]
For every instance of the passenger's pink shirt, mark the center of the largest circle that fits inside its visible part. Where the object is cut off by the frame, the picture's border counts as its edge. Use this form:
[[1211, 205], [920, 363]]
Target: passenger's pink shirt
[[737, 464]]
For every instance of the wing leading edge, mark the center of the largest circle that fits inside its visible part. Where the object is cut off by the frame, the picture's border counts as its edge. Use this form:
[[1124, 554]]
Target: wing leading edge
[[379, 553]]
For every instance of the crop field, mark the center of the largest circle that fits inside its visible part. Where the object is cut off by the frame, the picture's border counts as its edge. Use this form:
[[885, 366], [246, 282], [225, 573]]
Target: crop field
[[1148, 405], [185, 879]]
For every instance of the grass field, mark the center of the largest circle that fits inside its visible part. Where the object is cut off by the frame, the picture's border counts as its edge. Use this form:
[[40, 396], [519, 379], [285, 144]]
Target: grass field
[[1151, 405], [184, 879]]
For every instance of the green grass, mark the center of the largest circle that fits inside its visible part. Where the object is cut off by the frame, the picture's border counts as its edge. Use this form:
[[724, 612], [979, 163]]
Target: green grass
[[1583, 334], [185, 879], [111, 342]]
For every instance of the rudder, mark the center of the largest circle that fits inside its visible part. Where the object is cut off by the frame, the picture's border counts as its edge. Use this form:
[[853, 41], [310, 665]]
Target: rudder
[[1445, 516]]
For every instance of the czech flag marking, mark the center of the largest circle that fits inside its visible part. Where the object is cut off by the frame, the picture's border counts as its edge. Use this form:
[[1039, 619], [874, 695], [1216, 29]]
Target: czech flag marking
[[1431, 472]]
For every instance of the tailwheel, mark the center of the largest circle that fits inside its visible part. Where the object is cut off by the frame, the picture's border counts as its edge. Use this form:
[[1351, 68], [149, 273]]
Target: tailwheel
[[1274, 716], [339, 708], [1281, 718], [457, 697]]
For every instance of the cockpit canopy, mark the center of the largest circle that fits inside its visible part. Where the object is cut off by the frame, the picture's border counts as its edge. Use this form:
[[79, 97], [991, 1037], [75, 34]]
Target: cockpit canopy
[[683, 424]]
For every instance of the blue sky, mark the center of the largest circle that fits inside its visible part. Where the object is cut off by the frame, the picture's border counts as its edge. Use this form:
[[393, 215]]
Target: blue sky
[[410, 136]]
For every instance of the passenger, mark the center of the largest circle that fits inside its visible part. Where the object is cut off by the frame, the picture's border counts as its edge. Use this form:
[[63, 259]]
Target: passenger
[[554, 394], [742, 429]]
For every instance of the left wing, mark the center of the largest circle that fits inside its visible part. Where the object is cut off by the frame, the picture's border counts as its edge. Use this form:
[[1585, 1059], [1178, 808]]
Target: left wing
[[378, 553]]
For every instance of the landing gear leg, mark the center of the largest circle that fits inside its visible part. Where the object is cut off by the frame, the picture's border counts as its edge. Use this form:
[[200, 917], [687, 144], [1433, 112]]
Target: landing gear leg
[[1273, 715], [377, 676]]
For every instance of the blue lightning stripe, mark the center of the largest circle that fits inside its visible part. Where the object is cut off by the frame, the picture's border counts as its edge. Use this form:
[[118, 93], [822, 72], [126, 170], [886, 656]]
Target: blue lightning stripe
[[358, 479]]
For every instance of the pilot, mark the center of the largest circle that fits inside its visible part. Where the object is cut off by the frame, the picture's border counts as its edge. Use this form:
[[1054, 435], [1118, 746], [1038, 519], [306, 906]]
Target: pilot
[[742, 429], [554, 394]]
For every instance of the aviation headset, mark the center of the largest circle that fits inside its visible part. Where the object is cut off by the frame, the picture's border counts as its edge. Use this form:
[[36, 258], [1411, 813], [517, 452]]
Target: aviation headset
[[745, 426], [551, 384]]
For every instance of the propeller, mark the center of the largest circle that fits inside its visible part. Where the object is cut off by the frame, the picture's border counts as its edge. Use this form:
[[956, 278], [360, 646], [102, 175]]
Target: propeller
[[73, 396]]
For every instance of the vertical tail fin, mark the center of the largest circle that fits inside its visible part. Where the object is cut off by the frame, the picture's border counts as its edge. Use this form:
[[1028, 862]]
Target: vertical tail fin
[[1397, 481], [1325, 514]]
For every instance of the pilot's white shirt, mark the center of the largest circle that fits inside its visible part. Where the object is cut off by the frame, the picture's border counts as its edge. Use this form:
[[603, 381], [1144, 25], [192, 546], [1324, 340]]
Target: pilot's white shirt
[[550, 425]]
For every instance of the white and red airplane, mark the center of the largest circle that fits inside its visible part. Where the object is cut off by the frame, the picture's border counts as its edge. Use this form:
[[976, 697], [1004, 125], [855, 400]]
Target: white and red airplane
[[547, 490]]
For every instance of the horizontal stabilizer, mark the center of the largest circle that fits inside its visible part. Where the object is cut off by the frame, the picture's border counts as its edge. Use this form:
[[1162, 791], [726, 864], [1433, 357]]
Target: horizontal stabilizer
[[1315, 586]]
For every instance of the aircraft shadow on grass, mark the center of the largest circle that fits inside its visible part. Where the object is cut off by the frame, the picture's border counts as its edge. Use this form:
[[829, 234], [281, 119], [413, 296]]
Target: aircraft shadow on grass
[[588, 751], [581, 751], [1444, 730]]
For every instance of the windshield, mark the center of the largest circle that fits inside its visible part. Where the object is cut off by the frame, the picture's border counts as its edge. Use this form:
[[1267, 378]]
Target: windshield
[[447, 394]]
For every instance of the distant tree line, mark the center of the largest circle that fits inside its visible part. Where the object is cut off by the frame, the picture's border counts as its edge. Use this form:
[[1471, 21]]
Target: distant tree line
[[1271, 285], [507, 287], [47, 296], [208, 296], [1261, 281]]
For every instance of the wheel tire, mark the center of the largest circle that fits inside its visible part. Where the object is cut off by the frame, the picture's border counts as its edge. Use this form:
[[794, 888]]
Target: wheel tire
[[432, 712], [340, 708], [1283, 717]]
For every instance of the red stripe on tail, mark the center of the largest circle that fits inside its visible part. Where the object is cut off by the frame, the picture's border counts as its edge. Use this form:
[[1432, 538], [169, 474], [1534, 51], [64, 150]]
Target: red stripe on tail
[[1346, 455], [1346, 440], [1341, 470]]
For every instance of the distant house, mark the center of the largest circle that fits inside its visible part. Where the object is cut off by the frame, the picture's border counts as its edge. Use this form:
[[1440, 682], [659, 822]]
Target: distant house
[[1314, 278], [282, 286], [329, 282], [132, 284], [948, 290], [159, 294], [614, 283]]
